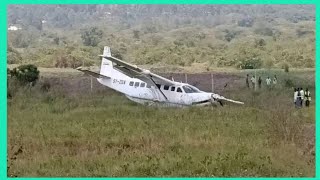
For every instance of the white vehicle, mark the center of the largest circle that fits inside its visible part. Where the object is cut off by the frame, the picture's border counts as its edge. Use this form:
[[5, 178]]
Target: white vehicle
[[144, 87]]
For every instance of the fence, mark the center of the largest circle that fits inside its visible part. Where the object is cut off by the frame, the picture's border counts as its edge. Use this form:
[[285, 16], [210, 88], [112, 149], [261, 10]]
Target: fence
[[205, 81]]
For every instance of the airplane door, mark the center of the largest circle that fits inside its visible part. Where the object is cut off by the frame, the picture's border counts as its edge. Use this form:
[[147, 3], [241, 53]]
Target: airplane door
[[184, 98]]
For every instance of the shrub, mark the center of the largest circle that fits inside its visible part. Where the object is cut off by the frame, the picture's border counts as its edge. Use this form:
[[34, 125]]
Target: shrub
[[26, 74], [229, 35], [91, 36], [136, 34], [246, 22], [286, 67], [251, 63]]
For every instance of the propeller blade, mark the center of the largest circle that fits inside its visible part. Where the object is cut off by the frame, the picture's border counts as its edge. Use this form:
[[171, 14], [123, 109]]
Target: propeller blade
[[219, 98], [230, 100]]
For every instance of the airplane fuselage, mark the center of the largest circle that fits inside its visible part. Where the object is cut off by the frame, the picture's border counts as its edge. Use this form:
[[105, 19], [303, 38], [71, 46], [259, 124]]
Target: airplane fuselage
[[140, 92], [142, 86]]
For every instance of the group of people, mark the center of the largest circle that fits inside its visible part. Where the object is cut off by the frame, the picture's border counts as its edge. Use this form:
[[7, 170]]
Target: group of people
[[254, 81], [300, 96]]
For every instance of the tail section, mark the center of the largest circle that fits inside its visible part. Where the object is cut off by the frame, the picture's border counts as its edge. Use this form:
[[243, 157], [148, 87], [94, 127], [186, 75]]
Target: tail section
[[106, 65]]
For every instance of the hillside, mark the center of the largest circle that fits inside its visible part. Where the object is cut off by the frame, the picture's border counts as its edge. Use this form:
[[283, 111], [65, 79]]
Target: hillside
[[255, 36]]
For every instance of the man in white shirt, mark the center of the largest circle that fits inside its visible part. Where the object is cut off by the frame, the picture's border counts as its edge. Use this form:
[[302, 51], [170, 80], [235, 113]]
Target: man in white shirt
[[253, 81], [302, 96], [295, 97], [274, 81], [268, 80], [307, 97]]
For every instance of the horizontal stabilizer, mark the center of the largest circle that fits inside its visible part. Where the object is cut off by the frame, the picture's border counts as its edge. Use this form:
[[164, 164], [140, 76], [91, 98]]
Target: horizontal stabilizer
[[91, 73]]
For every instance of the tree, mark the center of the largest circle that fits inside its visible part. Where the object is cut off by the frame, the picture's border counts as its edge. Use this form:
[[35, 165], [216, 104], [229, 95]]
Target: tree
[[91, 36], [285, 66], [246, 22], [136, 34], [26, 74]]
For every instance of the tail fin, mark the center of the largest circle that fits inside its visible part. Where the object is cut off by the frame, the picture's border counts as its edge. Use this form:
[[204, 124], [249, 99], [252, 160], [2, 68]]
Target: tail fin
[[106, 65]]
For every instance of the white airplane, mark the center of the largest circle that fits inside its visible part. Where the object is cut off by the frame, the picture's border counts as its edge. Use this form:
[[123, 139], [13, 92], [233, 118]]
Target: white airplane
[[144, 87]]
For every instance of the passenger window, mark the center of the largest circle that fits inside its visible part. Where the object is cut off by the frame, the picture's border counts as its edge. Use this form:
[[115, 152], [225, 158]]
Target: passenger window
[[158, 85], [148, 86], [131, 83], [136, 84], [166, 87], [142, 84], [179, 89], [173, 88]]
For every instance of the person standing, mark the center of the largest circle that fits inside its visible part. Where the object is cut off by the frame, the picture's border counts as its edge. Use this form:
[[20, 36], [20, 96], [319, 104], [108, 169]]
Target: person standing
[[299, 101], [275, 80], [302, 96], [307, 97], [295, 96], [259, 82], [268, 80], [253, 81], [247, 81]]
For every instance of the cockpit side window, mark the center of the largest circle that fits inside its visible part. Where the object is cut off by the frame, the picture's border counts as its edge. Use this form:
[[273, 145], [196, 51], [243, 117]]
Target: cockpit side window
[[136, 84], [189, 89], [173, 88], [179, 90]]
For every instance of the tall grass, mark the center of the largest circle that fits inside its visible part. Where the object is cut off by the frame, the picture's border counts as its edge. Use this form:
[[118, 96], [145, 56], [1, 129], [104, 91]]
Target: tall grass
[[51, 133]]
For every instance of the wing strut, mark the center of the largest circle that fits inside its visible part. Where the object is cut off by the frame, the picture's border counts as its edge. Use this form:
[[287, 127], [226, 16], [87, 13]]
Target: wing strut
[[159, 88]]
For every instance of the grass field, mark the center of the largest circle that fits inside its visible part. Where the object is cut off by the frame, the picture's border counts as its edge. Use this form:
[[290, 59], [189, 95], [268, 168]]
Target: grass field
[[103, 134]]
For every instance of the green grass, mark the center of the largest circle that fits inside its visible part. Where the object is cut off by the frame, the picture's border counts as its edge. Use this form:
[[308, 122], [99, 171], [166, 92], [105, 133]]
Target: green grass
[[107, 135]]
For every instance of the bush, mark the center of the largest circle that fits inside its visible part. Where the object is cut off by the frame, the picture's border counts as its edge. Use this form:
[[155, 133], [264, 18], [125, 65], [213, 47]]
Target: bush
[[246, 22], [286, 67], [26, 74], [91, 36], [260, 42], [251, 63], [229, 35], [136, 34]]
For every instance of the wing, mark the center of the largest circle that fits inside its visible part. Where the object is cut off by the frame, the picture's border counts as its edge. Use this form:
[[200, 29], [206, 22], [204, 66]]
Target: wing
[[139, 73], [91, 73]]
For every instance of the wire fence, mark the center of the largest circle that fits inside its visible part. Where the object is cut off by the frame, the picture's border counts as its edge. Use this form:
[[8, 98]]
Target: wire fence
[[206, 82]]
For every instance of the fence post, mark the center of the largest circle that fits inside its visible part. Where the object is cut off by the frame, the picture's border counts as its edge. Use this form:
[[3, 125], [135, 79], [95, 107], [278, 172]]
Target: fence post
[[212, 83], [186, 77], [91, 84], [255, 79]]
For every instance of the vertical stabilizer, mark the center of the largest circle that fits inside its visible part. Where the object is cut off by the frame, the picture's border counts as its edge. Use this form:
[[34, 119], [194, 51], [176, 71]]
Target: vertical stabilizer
[[106, 65]]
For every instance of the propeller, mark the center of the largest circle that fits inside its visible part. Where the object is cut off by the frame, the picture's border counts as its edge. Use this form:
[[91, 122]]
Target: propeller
[[214, 99], [218, 98]]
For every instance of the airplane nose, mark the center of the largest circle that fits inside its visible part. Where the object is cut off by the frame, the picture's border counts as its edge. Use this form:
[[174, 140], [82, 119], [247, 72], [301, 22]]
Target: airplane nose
[[214, 100]]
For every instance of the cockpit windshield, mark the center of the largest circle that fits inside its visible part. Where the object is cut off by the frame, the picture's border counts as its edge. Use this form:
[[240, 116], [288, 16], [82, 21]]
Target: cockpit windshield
[[190, 89]]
